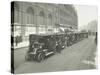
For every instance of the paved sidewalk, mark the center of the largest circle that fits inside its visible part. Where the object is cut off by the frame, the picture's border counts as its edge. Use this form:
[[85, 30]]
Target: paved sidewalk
[[21, 45]]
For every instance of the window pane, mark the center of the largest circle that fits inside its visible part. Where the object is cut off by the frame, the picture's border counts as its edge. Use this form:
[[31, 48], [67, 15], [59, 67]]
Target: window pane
[[30, 30], [17, 31], [42, 30]]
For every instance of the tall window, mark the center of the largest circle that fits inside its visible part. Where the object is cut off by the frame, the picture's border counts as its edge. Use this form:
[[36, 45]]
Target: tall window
[[50, 18], [41, 27], [42, 18], [15, 19], [30, 16], [16, 13], [42, 14], [30, 28]]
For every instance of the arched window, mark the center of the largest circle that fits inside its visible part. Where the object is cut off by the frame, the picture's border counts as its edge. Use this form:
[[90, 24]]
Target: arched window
[[41, 17], [42, 14], [50, 18], [30, 21], [42, 22], [30, 16]]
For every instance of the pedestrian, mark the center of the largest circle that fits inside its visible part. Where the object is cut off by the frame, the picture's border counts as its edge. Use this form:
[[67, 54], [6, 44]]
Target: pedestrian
[[16, 40]]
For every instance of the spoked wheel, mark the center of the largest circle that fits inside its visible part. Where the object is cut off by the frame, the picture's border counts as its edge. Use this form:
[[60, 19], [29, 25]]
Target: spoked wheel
[[40, 57]]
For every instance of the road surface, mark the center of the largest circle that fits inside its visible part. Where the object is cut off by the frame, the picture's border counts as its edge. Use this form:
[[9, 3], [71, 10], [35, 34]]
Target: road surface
[[80, 56]]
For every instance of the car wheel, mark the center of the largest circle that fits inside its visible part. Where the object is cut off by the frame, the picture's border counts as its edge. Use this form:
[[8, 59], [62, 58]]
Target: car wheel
[[40, 57]]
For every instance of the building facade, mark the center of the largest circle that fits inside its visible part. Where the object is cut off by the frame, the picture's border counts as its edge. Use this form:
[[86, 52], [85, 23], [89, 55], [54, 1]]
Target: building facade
[[42, 18]]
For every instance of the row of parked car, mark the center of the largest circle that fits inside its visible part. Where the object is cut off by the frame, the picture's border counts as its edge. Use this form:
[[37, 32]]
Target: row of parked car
[[41, 46]]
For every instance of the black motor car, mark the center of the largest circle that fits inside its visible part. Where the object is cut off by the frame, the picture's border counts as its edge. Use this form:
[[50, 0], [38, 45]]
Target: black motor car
[[41, 46]]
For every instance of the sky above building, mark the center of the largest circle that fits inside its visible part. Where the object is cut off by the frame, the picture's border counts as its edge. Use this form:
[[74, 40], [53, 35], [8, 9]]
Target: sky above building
[[86, 14]]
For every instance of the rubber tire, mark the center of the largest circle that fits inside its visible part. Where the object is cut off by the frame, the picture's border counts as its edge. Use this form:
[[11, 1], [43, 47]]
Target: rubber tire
[[40, 57]]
